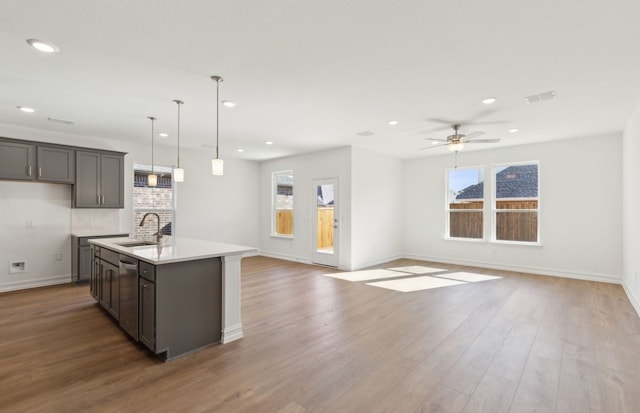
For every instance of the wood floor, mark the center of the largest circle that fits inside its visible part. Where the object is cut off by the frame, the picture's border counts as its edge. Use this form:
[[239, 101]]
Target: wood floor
[[519, 343]]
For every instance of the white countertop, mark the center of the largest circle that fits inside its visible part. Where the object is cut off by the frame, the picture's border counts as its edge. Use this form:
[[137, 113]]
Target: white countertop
[[181, 249], [97, 233]]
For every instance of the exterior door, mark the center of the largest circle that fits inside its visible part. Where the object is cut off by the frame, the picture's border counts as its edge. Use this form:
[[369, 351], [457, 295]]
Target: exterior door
[[326, 223]]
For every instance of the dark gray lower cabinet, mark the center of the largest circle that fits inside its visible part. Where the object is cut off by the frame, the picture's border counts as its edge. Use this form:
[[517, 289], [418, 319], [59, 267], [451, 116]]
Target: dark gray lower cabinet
[[147, 313], [82, 257], [179, 304]]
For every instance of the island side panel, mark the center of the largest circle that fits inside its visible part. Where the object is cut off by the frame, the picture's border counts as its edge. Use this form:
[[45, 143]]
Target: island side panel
[[231, 304], [188, 305]]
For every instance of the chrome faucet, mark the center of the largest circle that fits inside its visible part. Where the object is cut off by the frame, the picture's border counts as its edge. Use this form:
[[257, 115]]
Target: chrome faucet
[[157, 234]]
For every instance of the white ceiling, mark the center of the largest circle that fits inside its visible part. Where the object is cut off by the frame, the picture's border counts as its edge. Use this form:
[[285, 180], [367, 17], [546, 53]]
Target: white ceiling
[[311, 75]]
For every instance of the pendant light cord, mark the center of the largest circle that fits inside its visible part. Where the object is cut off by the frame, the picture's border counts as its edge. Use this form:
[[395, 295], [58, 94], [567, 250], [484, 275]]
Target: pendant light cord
[[152, 120], [217, 118], [179, 103], [217, 79]]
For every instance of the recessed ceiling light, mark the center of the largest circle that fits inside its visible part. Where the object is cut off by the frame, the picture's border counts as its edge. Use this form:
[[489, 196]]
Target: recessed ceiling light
[[163, 134], [240, 150], [488, 101], [43, 46], [514, 130], [392, 123], [26, 109], [228, 104], [268, 142]]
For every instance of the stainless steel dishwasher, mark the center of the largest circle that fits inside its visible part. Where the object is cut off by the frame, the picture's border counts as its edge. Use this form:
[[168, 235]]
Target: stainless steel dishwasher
[[129, 295]]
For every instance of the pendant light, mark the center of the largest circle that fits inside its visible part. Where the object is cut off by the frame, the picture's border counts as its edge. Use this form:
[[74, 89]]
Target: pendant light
[[217, 164], [153, 178], [178, 173]]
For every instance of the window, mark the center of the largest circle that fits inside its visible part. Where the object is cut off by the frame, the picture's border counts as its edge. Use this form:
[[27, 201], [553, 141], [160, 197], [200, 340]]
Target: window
[[158, 199], [282, 224], [516, 204], [465, 203]]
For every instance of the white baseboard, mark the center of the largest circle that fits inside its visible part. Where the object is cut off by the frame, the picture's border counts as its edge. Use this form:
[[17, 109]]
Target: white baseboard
[[607, 278], [231, 333], [632, 298], [33, 283], [376, 262], [284, 257]]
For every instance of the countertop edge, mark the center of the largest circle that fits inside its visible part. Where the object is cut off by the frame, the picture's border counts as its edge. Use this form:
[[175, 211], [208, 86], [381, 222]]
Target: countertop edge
[[216, 249]]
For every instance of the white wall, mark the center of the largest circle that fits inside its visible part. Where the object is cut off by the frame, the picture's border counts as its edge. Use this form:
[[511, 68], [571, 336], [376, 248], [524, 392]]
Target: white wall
[[218, 208], [326, 164], [48, 207], [211, 208], [376, 208], [580, 210], [631, 208]]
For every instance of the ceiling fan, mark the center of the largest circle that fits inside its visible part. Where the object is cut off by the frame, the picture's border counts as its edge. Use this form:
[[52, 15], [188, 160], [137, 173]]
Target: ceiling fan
[[456, 142]]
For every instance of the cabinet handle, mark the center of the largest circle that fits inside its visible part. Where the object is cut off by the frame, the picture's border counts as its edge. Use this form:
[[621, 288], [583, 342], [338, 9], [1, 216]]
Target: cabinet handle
[[102, 199], [29, 170]]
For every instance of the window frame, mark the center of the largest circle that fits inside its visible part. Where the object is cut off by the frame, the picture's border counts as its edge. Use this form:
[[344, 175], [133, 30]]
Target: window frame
[[495, 210], [274, 203], [448, 210], [163, 169]]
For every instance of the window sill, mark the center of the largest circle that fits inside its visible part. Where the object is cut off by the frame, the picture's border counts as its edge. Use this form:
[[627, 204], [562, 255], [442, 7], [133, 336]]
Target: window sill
[[482, 240], [477, 240], [518, 243], [281, 236]]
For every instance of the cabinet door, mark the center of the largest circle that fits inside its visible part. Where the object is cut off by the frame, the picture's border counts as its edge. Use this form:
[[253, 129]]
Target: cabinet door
[[84, 263], [112, 185], [86, 191], [105, 286], [147, 313], [56, 164], [113, 273], [95, 278], [17, 161]]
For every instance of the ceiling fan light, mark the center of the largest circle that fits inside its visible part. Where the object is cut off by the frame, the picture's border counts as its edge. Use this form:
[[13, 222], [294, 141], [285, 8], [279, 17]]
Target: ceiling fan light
[[456, 147], [217, 167]]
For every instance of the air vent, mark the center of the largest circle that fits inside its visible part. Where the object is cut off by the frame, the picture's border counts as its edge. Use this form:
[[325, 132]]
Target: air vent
[[64, 122], [365, 133], [540, 97]]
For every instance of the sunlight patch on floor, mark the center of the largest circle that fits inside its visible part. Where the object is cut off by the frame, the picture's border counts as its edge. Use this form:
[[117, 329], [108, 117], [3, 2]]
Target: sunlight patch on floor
[[417, 269], [468, 276], [366, 275], [406, 285]]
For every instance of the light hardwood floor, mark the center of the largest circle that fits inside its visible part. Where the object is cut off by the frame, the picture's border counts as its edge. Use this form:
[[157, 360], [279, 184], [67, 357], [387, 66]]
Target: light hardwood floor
[[519, 343]]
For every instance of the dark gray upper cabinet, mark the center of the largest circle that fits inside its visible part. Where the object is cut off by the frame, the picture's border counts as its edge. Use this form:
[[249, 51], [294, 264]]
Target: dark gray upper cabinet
[[99, 180], [56, 164], [17, 161]]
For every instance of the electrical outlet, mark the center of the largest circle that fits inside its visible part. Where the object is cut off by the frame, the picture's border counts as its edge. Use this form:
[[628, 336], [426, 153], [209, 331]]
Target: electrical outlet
[[58, 256], [30, 223], [17, 266]]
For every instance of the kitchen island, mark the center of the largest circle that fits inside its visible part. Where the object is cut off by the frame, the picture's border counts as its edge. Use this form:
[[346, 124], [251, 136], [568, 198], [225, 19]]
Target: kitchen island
[[173, 298]]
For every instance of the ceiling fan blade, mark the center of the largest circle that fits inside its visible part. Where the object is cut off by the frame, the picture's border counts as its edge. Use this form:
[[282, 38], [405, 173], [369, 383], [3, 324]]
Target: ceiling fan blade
[[445, 121], [426, 131], [483, 141], [432, 146], [473, 135], [437, 140]]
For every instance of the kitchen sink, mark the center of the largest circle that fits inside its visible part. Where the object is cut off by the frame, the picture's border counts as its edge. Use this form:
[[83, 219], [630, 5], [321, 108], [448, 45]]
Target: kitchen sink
[[136, 243]]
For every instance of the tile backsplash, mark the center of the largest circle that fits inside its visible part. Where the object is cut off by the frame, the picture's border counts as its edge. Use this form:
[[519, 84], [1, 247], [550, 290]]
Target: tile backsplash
[[95, 220]]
